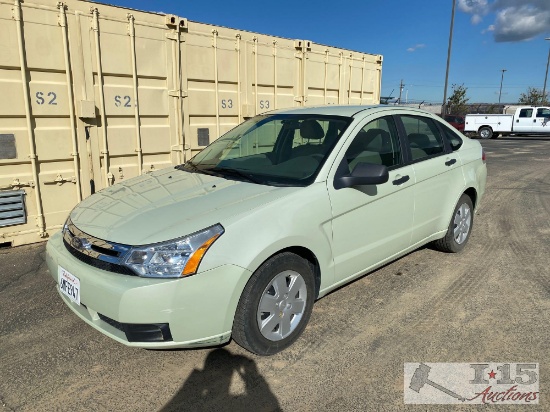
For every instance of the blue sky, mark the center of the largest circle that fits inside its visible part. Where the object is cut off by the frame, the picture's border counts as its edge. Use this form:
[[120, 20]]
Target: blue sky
[[489, 35]]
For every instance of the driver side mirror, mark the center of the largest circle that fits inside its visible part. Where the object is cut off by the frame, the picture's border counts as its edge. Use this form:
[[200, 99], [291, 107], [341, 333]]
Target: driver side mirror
[[363, 174]]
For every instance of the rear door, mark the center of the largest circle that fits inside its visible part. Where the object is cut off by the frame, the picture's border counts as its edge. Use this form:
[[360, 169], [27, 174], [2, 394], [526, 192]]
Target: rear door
[[541, 123], [439, 176]]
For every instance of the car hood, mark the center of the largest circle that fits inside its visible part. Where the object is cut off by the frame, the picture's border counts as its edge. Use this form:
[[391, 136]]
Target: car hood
[[167, 204]]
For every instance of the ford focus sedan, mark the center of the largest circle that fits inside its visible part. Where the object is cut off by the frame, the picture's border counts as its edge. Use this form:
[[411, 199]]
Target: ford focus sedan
[[241, 240]]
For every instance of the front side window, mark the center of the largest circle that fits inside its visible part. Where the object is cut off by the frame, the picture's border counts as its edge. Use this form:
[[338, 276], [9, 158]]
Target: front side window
[[376, 143], [526, 113], [423, 136], [272, 149]]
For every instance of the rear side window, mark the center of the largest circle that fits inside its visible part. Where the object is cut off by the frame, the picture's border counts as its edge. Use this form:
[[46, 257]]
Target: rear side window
[[423, 136], [455, 141], [543, 112]]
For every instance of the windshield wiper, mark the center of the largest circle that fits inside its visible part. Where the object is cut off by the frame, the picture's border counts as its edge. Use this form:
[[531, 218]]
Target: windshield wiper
[[192, 167], [223, 171]]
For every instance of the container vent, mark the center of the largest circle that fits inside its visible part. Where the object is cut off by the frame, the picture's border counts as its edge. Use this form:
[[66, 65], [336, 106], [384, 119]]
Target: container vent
[[7, 146], [12, 208], [203, 136]]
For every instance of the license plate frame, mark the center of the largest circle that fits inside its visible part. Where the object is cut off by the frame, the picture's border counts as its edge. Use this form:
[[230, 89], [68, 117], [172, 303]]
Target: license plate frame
[[69, 285]]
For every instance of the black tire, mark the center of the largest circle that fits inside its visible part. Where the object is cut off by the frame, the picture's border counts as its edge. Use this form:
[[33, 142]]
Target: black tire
[[495, 135], [271, 337], [485, 132], [455, 239]]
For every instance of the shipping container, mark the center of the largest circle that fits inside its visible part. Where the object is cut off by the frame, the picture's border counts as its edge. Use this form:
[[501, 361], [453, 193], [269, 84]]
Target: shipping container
[[93, 94]]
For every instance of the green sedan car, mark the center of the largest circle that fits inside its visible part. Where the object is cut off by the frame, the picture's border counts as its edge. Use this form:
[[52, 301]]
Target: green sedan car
[[240, 241]]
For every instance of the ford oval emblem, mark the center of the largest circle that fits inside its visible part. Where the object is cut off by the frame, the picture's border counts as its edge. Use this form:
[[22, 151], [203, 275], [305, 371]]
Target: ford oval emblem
[[80, 243]]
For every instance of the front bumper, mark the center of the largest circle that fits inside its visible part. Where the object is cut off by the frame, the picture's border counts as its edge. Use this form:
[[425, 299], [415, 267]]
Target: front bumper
[[198, 310]]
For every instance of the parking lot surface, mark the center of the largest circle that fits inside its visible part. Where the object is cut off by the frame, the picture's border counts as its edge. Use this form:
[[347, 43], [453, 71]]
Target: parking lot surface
[[489, 303]]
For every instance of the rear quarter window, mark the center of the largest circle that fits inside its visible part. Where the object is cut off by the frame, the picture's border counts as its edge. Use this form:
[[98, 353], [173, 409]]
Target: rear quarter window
[[455, 141]]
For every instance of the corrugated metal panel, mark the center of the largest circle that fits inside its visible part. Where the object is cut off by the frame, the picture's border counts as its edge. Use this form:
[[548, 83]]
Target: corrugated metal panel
[[98, 94]]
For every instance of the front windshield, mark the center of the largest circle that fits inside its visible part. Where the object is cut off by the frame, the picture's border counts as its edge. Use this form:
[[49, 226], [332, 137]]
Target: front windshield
[[278, 149]]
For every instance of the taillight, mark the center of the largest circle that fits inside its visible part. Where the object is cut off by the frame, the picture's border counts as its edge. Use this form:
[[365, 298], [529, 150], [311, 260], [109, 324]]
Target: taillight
[[483, 156]]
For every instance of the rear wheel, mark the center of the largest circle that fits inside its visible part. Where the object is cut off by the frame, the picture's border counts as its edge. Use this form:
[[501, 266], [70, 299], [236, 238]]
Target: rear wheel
[[276, 305], [460, 227], [485, 132]]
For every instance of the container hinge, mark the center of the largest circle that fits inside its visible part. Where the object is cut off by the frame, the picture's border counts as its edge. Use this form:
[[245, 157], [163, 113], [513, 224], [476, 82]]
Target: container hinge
[[300, 99], [177, 93], [303, 45], [59, 180], [177, 148], [43, 234], [16, 184], [16, 13], [172, 20]]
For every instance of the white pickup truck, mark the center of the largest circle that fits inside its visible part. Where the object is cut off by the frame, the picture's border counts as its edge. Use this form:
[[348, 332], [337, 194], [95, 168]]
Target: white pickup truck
[[526, 120]]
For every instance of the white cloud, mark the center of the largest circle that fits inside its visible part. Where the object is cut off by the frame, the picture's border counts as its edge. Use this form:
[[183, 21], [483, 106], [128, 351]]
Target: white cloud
[[476, 19], [514, 20], [416, 47], [473, 6], [521, 23]]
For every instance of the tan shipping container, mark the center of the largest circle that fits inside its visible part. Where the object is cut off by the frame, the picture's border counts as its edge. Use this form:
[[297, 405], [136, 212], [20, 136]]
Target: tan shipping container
[[93, 94]]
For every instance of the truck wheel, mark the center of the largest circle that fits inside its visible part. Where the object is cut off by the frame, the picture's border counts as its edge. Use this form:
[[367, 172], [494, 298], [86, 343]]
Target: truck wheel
[[485, 132]]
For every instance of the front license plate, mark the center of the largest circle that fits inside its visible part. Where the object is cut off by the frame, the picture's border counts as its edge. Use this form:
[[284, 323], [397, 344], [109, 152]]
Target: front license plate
[[69, 285]]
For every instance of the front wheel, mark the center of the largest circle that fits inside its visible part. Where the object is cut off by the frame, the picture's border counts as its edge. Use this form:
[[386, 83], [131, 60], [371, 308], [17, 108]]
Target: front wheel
[[460, 227], [275, 305], [485, 132]]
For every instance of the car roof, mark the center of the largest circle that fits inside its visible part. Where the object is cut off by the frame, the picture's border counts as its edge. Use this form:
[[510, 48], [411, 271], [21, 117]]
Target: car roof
[[346, 110]]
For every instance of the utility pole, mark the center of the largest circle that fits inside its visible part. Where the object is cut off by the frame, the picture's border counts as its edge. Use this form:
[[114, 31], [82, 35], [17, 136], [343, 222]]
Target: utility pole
[[401, 87], [545, 76], [444, 106], [501, 80]]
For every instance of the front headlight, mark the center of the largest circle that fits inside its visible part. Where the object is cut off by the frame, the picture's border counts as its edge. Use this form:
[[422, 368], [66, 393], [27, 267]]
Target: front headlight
[[175, 258]]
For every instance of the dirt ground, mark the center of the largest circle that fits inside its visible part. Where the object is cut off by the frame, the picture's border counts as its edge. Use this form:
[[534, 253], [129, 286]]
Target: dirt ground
[[489, 303]]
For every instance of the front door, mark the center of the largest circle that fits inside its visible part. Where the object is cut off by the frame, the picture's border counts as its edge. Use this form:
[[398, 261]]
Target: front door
[[523, 123], [372, 223]]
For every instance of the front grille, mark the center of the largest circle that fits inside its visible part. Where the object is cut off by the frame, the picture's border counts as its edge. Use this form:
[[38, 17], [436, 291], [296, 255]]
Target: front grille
[[100, 264], [96, 252], [138, 332]]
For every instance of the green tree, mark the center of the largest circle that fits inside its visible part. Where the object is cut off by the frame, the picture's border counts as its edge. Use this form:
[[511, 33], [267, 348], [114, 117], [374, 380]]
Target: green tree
[[457, 103], [533, 97]]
